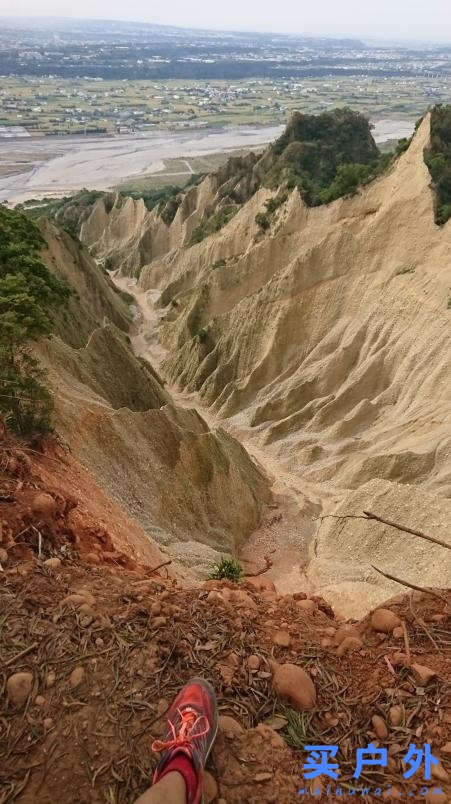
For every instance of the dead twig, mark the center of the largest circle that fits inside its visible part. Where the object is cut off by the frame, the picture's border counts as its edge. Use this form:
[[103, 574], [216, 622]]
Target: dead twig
[[20, 655], [423, 625], [268, 565], [164, 564], [410, 585], [406, 641], [419, 533]]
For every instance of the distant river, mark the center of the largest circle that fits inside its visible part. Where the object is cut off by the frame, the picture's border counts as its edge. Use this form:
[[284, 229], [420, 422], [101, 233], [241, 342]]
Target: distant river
[[63, 165]]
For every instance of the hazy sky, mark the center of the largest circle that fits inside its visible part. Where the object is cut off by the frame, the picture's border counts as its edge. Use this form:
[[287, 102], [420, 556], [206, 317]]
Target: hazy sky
[[394, 19]]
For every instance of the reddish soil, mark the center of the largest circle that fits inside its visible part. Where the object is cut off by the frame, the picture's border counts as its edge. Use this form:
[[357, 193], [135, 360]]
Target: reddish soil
[[139, 635]]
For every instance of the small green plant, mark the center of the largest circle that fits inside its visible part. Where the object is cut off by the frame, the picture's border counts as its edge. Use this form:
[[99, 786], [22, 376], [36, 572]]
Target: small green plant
[[262, 221], [272, 204], [228, 568], [219, 264], [297, 730], [213, 224]]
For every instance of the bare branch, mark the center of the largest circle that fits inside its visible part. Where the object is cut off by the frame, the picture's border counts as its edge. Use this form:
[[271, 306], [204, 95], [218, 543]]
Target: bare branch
[[419, 533], [410, 585]]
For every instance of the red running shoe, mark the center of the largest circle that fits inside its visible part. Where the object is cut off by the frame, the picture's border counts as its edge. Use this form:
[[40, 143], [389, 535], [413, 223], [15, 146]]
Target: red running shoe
[[192, 728]]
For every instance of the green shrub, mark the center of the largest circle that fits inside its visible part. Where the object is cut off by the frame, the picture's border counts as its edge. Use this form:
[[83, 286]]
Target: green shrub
[[346, 181], [402, 145], [312, 148], [213, 223], [228, 568], [29, 295], [272, 204], [262, 221], [438, 160]]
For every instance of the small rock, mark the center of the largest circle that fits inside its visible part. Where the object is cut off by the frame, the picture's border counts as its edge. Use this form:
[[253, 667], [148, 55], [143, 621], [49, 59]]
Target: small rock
[[89, 597], [263, 777], [330, 719], [439, 772], [260, 584], [215, 597], [210, 788], [243, 600], [396, 715], [270, 735], [292, 682], [76, 677], [307, 605], [400, 659], [384, 620], [438, 618], [92, 558], [39, 700], [349, 644], [52, 563], [155, 608], [446, 749], [3, 557], [230, 726], [282, 638], [398, 632], [50, 679], [342, 633], [99, 642], [253, 662], [158, 622], [423, 674], [47, 723], [18, 688], [379, 727], [74, 600], [326, 642], [44, 506], [162, 707]]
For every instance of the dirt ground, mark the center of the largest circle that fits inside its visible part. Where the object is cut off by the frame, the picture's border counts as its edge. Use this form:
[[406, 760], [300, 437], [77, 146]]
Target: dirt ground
[[106, 663]]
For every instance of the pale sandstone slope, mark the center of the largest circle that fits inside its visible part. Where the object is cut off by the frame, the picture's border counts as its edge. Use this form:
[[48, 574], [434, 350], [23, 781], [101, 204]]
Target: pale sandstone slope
[[125, 235], [161, 463], [326, 342], [329, 336]]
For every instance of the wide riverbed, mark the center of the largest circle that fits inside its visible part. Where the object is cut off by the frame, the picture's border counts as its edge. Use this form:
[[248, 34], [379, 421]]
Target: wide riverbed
[[63, 165]]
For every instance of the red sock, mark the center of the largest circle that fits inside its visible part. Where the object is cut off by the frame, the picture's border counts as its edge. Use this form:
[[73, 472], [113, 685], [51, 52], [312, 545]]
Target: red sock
[[183, 765]]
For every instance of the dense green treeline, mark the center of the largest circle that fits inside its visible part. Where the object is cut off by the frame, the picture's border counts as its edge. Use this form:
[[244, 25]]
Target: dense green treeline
[[438, 160], [29, 295]]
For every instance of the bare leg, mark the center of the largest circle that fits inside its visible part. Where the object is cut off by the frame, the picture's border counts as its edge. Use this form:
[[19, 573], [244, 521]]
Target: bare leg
[[171, 790]]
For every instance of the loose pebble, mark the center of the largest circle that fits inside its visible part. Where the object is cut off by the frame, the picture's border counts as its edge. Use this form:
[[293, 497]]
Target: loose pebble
[[76, 677], [379, 727], [18, 688], [292, 682], [384, 620]]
